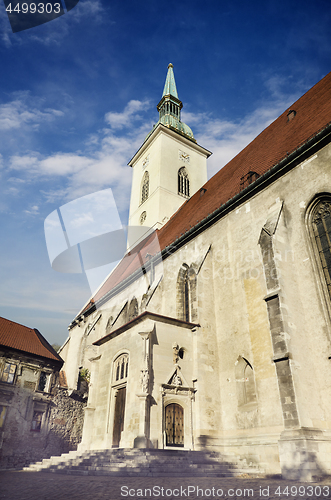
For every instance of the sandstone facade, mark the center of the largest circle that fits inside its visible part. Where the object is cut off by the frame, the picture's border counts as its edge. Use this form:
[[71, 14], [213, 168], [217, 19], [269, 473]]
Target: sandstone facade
[[222, 339]]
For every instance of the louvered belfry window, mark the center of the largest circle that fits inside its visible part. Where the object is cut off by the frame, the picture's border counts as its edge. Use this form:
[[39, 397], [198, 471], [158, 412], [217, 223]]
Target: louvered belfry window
[[183, 182], [145, 187], [321, 222]]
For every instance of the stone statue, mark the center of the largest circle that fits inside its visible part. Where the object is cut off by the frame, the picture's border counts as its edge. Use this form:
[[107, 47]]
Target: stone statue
[[175, 348], [144, 380]]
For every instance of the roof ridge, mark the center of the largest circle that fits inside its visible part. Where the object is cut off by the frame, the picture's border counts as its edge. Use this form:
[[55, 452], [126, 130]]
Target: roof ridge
[[19, 324], [46, 344]]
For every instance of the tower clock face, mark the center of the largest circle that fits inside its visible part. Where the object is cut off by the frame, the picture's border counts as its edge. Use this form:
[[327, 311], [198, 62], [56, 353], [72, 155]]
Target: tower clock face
[[183, 156], [146, 161]]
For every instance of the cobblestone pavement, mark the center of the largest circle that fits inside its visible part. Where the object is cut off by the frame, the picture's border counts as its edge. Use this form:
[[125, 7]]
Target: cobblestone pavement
[[47, 486]]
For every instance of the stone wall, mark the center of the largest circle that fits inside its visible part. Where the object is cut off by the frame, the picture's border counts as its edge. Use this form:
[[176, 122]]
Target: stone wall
[[60, 433]]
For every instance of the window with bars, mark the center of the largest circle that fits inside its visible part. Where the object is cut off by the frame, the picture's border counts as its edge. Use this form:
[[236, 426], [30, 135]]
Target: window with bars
[[43, 381], [36, 421], [145, 187], [321, 224], [183, 182], [8, 373], [121, 368]]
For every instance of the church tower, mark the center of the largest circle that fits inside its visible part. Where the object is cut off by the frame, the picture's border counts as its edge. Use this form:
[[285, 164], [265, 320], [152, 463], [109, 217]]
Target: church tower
[[169, 167]]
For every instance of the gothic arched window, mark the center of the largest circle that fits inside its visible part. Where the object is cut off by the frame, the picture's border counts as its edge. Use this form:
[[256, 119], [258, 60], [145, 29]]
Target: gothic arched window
[[183, 182], [121, 365], [245, 382], [321, 226], [145, 187], [186, 304], [186, 294]]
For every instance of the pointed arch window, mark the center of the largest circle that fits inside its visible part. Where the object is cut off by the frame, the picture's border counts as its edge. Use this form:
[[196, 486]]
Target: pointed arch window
[[321, 227], [245, 382], [183, 182], [145, 187], [187, 294], [186, 304], [121, 366]]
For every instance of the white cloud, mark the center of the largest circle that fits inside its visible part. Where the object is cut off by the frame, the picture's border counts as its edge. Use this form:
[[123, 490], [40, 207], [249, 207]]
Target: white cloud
[[33, 210], [89, 10], [5, 28], [103, 164], [225, 138], [130, 113], [82, 220], [15, 114]]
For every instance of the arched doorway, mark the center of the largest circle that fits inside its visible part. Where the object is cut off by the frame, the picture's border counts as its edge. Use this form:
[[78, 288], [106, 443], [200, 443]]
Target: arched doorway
[[174, 425]]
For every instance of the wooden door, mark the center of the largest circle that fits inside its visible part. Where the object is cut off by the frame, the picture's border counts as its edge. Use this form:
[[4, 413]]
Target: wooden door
[[174, 425], [119, 416]]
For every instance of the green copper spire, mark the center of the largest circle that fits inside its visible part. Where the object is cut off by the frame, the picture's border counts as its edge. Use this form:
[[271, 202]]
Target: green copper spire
[[170, 84], [169, 108]]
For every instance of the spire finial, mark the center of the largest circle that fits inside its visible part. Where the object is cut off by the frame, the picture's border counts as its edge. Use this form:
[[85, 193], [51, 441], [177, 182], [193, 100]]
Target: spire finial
[[170, 85]]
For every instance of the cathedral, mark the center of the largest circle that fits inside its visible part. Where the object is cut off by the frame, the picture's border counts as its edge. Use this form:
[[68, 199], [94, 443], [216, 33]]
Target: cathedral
[[213, 332]]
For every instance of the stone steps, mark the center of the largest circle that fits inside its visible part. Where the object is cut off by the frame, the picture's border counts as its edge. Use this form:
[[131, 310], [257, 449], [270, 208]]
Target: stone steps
[[140, 462]]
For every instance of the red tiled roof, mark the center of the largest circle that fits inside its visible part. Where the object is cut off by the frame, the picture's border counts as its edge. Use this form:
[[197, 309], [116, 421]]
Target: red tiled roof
[[130, 263], [23, 338], [276, 142]]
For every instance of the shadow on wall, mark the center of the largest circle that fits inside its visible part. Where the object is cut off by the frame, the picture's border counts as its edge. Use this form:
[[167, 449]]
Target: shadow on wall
[[304, 466]]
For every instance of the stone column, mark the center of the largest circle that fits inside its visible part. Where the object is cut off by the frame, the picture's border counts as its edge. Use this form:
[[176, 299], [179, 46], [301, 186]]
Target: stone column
[[142, 440], [89, 410]]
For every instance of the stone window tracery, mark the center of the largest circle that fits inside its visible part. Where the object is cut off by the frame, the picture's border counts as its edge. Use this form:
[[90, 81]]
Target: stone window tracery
[[121, 366], [321, 226], [145, 187]]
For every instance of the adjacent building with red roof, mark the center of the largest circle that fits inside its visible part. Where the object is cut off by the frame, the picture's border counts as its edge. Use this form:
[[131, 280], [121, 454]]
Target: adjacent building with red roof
[[214, 330], [29, 341], [35, 410]]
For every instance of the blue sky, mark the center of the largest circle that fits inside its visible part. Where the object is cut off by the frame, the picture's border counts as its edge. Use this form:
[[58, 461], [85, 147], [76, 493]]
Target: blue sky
[[78, 95]]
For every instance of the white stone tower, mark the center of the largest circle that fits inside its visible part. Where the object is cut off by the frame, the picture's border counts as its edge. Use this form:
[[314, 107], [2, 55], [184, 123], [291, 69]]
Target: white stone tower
[[169, 167]]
